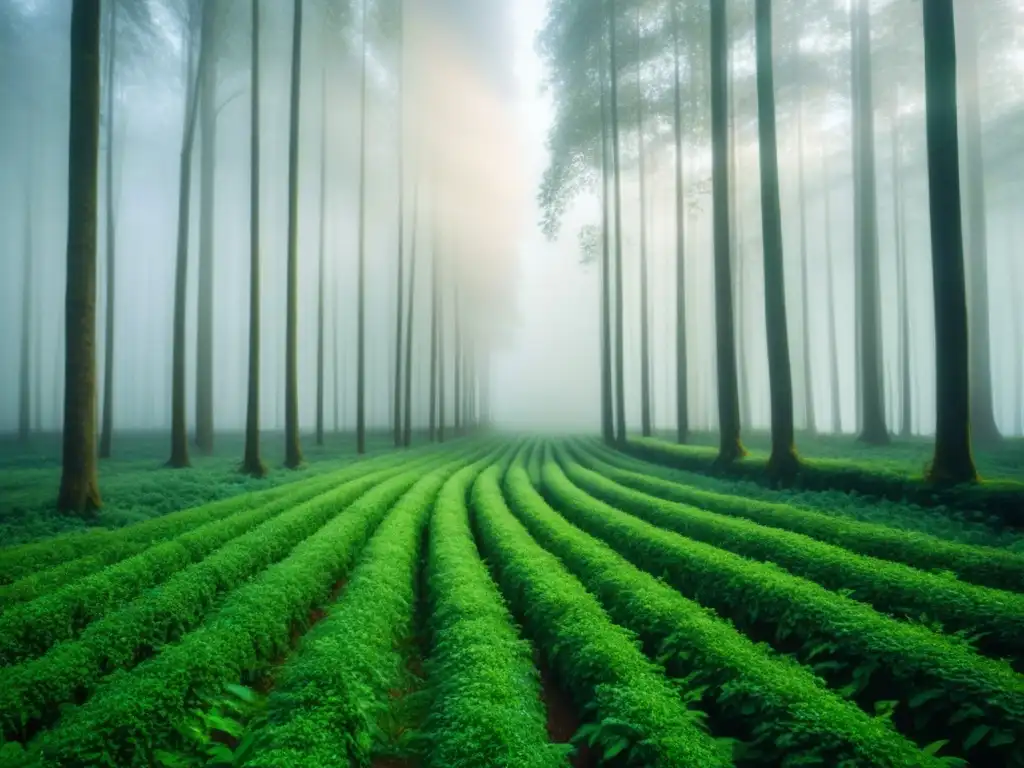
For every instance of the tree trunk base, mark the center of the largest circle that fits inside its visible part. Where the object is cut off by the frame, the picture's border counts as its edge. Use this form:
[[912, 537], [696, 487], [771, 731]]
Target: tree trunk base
[[945, 472], [253, 468], [783, 465], [79, 496], [730, 451], [874, 437], [178, 461]]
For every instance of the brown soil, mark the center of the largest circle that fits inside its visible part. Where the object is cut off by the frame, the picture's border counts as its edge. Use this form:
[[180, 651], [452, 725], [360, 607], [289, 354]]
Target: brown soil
[[564, 720]]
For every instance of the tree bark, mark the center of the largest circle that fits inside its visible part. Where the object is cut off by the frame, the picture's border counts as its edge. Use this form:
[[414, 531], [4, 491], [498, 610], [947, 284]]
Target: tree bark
[[952, 462], [736, 244], [320, 265], [79, 486], [783, 461], [361, 288], [810, 416], [207, 214], [107, 423], [620, 376], [252, 464], [730, 447], [645, 331], [682, 387], [407, 414], [292, 448], [873, 430], [833, 337]]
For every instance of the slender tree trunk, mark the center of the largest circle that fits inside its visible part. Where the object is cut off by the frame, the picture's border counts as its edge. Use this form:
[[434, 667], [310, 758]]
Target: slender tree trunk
[[179, 432], [607, 408], [1017, 307], [320, 266], [874, 430], [24, 382], [902, 288], [441, 415], [620, 376], [736, 243], [730, 447], [783, 460], [79, 487], [336, 358], [292, 448], [397, 405], [645, 342], [407, 427], [682, 386], [434, 330], [207, 215], [810, 415], [833, 337], [361, 319], [107, 424], [983, 421], [252, 464], [457, 374], [952, 462]]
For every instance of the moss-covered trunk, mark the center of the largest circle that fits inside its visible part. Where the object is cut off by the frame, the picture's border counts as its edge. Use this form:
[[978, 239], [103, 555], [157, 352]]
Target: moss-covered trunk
[[79, 485], [952, 461], [783, 460], [292, 448]]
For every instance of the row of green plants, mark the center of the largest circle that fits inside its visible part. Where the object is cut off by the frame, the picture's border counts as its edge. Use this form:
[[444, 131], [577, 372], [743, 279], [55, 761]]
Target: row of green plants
[[995, 616], [486, 706], [98, 548], [986, 566], [629, 708], [135, 714], [1000, 499], [332, 698], [941, 686], [31, 693], [778, 708]]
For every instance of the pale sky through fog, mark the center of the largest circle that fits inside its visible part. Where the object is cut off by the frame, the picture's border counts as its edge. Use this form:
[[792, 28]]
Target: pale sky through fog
[[553, 349]]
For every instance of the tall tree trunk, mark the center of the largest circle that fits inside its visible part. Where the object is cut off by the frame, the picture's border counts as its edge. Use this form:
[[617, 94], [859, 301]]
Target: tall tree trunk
[[952, 462], [179, 432], [682, 387], [810, 416], [620, 376], [730, 447], [252, 464], [320, 266], [292, 448], [79, 487], [607, 408], [441, 414], [902, 289], [107, 423], [874, 430], [207, 216], [1017, 307], [361, 318], [736, 244], [399, 281], [457, 375], [336, 358], [434, 330], [833, 337], [645, 331], [407, 437], [983, 421], [24, 382], [783, 460]]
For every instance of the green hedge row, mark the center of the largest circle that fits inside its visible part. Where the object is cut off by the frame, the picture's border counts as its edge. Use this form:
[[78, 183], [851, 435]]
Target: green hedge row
[[890, 587], [135, 714], [781, 708], [330, 698], [637, 711], [987, 566], [99, 548], [486, 696], [32, 693], [942, 685]]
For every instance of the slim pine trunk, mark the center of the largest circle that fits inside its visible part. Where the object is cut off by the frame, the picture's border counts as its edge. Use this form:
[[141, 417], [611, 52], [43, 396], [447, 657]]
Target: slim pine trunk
[[179, 432], [252, 464], [952, 462], [902, 290], [79, 487], [730, 447], [107, 424], [983, 421], [645, 341], [810, 416], [620, 376], [407, 414], [397, 404], [207, 214], [682, 393], [361, 286], [873, 430], [833, 337], [292, 448], [320, 266], [607, 408], [783, 461]]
